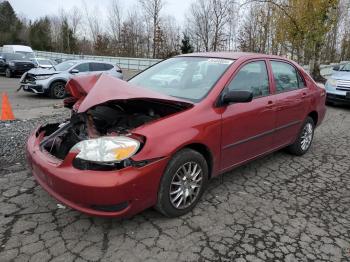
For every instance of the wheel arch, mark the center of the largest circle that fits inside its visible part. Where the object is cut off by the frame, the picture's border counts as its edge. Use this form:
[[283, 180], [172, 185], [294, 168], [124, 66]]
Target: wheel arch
[[205, 152], [314, 116]]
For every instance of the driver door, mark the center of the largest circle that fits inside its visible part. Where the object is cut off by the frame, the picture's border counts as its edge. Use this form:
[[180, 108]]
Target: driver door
[[247, 128]]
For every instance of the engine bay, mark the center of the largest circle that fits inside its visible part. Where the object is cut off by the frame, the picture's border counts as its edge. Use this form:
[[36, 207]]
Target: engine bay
[[114, 118]]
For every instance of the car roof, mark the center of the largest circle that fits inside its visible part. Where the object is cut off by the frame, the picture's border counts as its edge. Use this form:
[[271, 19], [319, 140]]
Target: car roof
[[231, 55], [87, 61]]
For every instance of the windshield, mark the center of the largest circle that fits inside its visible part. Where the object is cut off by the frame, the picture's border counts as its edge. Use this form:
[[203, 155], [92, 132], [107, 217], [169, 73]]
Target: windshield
[[26, 55], [346, 67], [18, 56], [189, 78], [65, 65]]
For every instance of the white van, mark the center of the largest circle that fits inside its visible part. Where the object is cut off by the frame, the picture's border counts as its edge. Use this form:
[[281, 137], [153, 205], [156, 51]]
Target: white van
[[22, 49]]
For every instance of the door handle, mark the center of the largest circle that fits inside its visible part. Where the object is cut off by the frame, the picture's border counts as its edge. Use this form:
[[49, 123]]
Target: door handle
[[269, 104], [303, 95]]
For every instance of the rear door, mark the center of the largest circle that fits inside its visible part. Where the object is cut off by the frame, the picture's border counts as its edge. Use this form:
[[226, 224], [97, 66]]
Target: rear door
[[247, 128], [291, 101]]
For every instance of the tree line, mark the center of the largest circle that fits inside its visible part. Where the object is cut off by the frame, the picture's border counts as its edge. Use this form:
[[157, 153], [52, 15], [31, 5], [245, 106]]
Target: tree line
[[308, 31]]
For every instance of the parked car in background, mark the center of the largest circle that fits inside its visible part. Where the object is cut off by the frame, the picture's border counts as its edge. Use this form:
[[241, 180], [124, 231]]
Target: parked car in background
[[52, 81], [153, 142], [338, 85], [43, 62], [12, 64]]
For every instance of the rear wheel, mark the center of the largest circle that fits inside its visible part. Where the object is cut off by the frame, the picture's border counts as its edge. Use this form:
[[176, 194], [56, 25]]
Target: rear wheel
[[8, 73], [183, 183], [57, 90], [304, 140]]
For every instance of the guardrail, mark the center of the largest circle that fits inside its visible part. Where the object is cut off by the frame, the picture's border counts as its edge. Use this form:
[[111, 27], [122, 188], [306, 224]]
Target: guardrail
[[143, 63], [124, 62]]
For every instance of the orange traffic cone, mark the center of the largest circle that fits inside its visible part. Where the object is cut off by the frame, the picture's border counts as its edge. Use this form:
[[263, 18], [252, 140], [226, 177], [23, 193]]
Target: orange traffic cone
[[6, 111]]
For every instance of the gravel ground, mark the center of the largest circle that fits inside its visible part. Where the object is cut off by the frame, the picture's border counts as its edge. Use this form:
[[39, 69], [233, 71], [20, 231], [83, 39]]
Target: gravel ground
[[13, 135], [278, 208]]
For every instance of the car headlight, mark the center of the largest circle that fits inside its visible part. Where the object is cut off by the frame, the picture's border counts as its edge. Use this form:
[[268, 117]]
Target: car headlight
[[11, 63], [107, 149], [332, 82], [43, 77]]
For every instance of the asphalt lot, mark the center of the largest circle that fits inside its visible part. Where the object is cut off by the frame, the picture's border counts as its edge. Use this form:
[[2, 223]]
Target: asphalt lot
[[278, 208]]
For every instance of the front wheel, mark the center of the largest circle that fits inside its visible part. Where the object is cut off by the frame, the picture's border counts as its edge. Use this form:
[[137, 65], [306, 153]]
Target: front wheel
[[57, 90], [183, 183], [304, 139], [8, 73]]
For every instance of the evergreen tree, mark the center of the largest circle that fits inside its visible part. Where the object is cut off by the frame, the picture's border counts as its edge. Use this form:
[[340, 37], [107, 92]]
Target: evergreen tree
[[10, 25], [186, 46], [40, 34]]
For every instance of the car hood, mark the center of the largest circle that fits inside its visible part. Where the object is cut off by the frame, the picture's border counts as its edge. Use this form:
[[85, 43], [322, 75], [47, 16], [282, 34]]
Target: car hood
[[92, 90], [22, 61], [341, 75], [43, 71]]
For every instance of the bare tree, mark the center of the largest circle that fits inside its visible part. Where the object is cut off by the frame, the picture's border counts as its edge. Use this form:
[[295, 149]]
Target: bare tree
[[94, 21], [208, 21], [152, 9], [115, 16]]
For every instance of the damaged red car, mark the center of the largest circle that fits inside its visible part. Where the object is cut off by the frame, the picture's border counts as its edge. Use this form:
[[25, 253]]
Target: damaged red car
[[158, 139]]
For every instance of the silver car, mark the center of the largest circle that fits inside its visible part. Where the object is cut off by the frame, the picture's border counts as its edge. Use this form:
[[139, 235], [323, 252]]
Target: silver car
[[338, 85], [52, 81]]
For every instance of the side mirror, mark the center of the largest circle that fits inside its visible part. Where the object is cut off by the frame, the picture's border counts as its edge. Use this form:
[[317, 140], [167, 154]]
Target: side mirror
[[237, 97], [336, 68], [74, 71]]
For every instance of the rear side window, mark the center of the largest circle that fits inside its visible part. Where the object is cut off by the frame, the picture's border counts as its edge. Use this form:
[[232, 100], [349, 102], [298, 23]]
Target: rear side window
[[108, 66], [97, 67], [252, 77], [286, 77]]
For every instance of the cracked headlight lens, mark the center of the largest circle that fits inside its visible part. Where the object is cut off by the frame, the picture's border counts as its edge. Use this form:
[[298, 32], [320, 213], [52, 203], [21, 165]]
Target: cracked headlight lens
[[107, 149]]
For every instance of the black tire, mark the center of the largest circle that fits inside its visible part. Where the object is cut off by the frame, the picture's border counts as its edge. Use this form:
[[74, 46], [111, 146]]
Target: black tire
[[301, 146], [57, 90], [8, 73], [182, 158]]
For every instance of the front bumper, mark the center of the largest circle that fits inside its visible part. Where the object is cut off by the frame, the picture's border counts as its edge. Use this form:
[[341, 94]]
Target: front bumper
[[132, 188], [345, 99], [33, 88]]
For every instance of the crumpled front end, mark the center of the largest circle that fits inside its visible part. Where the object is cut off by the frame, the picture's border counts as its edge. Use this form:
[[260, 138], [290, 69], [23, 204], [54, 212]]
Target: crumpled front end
[[87, 163]]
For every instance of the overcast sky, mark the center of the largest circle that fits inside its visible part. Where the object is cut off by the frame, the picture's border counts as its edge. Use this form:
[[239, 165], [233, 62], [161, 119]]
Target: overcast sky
[[37, 8]]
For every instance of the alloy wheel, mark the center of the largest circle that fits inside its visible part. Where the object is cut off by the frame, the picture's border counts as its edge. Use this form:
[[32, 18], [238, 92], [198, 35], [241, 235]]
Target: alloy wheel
[[59, 91], [306, 136], [186, 185]]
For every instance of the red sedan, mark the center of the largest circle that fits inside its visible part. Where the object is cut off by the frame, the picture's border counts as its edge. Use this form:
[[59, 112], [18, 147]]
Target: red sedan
[[158, 139]]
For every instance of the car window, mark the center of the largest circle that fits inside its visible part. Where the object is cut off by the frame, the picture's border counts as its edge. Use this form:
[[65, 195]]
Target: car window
[[108, 66], [189, 78], [346, 67], [251, 77], [84, 67], [285, 75], [97, 67]]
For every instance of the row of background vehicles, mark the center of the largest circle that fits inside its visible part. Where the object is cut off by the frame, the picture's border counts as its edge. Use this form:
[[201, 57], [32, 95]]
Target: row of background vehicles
[[44, 76]]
